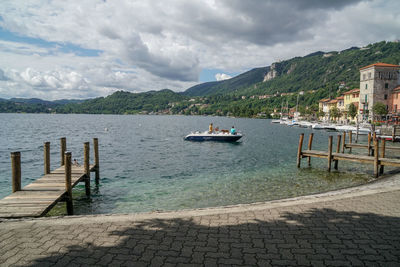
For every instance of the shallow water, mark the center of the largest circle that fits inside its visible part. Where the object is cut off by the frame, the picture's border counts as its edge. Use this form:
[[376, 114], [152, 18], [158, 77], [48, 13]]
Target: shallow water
[[146, 165]]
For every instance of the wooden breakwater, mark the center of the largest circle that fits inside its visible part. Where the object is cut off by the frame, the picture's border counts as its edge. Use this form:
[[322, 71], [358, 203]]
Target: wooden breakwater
[[376, 153], [40, 196]]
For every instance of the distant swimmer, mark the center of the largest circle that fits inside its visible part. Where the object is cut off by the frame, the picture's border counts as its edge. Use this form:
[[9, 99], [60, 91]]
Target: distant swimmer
[[106, 129]]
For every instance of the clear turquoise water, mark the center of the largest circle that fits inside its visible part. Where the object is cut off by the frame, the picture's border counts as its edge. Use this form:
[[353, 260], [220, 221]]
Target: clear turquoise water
[[146, 165]]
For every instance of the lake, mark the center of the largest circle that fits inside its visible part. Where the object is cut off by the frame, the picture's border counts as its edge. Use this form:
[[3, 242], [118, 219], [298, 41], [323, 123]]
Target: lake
[[145, 164]]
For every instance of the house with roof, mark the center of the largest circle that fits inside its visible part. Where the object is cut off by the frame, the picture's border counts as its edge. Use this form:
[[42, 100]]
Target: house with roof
[[351, 97]]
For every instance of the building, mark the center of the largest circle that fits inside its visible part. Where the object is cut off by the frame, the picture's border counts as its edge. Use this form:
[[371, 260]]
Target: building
[[351, 97], [394, 108], [377, 82]]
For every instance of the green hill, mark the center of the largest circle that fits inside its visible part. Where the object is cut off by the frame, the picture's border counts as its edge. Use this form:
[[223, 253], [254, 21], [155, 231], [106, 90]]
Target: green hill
[[236, 83], [316, 71], [124, 103]]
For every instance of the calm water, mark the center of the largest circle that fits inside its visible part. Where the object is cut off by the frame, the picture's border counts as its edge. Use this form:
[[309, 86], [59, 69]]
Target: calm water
[[146, 165]]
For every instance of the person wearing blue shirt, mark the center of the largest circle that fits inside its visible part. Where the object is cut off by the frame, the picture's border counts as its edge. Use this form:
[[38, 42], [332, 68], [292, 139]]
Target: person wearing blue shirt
[[233, 130]]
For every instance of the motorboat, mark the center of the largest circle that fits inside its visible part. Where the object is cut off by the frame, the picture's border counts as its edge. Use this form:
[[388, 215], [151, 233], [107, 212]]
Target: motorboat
[[276, 121], [222, 136]]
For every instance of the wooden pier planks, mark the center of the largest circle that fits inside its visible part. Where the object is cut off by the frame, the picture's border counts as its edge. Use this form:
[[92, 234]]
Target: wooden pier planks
[[37, 198]]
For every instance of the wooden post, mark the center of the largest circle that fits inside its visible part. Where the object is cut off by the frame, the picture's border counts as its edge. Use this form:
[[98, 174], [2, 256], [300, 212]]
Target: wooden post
[[63, 145], [376, 158], [86, 167], [68, 185], [382, 153], [337, 150], [310, 139], [357, 131], [329, 153], [369, 144], [344, 142], [394, 133], [46, 157], [299, 150], [96, 158], [350, 139], [16, 171]]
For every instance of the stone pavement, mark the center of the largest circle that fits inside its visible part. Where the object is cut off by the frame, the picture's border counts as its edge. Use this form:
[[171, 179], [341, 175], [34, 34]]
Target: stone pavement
[[354, 227]]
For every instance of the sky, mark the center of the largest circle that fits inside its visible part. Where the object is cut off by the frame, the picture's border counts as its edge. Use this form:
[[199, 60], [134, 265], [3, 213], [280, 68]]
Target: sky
[[84, 49]]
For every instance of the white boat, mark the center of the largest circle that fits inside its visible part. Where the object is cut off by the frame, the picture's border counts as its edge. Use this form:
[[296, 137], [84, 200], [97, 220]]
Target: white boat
[[214, 136], [276, 121]]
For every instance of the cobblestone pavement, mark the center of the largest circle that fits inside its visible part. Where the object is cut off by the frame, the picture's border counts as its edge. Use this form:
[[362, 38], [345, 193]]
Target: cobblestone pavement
[[352, 228]]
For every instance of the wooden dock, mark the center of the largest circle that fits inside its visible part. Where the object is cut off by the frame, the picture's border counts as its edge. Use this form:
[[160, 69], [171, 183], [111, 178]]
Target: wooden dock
[[39, 197], [378, 159]]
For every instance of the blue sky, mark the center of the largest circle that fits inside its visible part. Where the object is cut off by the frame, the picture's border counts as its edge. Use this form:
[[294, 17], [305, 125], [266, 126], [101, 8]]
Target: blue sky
[[82, 49]]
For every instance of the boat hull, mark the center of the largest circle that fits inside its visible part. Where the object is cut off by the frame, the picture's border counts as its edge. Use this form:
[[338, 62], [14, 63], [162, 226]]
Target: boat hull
[[218, 138]]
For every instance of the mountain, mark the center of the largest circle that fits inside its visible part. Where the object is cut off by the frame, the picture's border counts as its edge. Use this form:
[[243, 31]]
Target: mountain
[[320, 71], [239, 82], [122, 102]]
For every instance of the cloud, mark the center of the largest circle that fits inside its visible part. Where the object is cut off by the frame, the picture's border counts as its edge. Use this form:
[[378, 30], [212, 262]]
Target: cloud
[[222, 76], [147, 45]]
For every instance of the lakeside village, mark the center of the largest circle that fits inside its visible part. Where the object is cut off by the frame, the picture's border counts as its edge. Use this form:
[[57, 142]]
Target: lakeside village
[[375, 103]]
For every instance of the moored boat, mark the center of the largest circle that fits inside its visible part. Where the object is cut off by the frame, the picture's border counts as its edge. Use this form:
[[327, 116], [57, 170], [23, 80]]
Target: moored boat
[[214, 136]]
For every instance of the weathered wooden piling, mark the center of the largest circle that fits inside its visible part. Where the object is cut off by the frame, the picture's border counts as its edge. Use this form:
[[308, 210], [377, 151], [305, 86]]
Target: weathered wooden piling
[[310, 140], [344, 141], [299, 150], [350, 139], [16, 171], [393, 133], [376, 158], [369, 144], [63, 146], [86, 153], [330, 153], [382, 154], [46, 157], [96, 159], [68, 185], [337, 150]]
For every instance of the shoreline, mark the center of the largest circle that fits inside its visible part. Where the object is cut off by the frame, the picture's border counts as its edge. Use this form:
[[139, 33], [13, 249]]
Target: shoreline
[[387, 183]]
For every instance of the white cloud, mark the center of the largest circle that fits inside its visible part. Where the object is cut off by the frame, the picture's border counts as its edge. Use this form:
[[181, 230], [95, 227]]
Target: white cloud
[[149, 45], [222, 76]]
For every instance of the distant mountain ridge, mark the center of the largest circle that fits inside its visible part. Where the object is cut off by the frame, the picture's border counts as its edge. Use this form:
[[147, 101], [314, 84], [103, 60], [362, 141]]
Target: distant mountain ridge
[[228, 86], [318, 70]]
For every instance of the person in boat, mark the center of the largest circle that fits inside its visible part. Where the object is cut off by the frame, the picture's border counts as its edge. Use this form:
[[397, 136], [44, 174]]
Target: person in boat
[[210, 128], [233, 130]]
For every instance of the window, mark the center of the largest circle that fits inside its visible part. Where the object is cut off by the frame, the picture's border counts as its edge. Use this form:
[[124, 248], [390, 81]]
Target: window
[[396, 96], [395, 108], [366, 86], [385, 96], [364, 77], [386, 85], [369, 75]]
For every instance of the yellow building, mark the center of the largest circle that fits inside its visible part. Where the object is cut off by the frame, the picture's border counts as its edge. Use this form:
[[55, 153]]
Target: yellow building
[[352, 96]]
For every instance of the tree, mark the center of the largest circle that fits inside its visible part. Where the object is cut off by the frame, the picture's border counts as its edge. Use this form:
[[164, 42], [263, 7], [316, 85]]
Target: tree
[[379, 109], [335, 113], [320, 114], [352, 110]]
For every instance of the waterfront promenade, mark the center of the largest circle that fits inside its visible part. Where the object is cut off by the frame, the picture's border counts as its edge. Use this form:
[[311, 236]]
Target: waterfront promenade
[[352, 227]]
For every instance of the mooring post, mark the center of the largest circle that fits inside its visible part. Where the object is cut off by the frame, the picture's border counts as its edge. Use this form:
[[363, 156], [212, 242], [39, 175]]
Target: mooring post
[[16, 171], [337, 150], [329, 153], [299, 150], [393, 133], [68, 185], [63, 145], [344, 142], [46, 157], [382, 153], [350, 139], [376, 158], [86, 167], [96, 158], [310, 139], [369, 144]]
